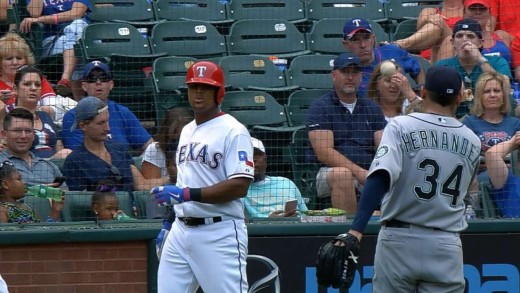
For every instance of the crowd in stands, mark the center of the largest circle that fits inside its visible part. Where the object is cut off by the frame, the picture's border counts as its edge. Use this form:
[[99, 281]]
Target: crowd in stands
[[76, 120]]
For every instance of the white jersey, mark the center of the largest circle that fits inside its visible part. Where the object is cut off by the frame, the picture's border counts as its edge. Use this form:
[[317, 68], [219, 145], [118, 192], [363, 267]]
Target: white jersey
[[209, 153], [431, 160]]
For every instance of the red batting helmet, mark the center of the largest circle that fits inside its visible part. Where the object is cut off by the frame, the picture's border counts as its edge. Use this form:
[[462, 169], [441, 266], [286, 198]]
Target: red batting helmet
[[208, 73]]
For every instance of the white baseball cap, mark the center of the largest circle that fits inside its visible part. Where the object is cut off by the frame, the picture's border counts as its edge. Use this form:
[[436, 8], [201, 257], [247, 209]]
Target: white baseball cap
[[258, 144]]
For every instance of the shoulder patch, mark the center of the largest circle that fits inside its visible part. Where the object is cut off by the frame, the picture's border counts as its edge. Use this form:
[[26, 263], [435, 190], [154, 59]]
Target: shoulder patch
[[381, 151]]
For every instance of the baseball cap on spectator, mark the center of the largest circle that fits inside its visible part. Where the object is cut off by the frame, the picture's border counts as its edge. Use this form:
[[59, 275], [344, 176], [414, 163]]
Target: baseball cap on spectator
[[88, 108], [443, 80], [96, 65], [484, 3], [257, 144], [354, 25], [467, 24], [345, 60]]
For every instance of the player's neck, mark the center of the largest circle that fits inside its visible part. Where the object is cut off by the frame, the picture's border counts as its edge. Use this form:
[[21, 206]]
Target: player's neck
[[433, 108]]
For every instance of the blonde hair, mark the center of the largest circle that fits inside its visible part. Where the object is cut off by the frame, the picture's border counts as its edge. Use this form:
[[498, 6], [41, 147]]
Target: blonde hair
[[478, 106], [12, 41], [373, 92]]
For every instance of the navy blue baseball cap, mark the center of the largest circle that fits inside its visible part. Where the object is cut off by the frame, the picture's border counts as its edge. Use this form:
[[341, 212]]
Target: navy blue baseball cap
[[443, 80], [88, 108], [468, 24], [345, 60], [96, 65], [354, 25]]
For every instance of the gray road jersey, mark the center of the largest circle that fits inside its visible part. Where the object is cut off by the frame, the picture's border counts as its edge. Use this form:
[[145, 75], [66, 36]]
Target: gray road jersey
[[431, 160]]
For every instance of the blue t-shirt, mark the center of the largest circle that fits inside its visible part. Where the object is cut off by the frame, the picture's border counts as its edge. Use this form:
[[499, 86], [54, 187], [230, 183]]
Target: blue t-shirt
[[507, 199], [270, 195], [353, 133], [44, 145], [389, 52], [52, 7], [84, 170], [125, 128], [491, 134]]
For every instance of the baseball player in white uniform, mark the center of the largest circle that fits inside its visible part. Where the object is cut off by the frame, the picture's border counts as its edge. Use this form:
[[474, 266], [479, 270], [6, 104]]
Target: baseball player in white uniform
[[422, 171], [207, 244]]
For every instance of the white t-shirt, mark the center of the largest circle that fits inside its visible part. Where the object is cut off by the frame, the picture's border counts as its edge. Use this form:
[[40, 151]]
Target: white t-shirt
[[155, 156]]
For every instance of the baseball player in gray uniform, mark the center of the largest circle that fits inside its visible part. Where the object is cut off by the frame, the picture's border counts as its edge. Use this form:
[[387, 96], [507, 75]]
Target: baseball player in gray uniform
[[207, 244], [420, 175]]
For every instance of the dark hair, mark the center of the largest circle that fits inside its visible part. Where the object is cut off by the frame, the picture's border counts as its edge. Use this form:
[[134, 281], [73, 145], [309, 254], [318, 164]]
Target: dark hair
[[7, 169], [23, 70], [19, 113], [105, 188], [168, 135], [442, 98]]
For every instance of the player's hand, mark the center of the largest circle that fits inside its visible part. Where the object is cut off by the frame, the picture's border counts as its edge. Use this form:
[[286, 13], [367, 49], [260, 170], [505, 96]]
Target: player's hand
[[168, 195]]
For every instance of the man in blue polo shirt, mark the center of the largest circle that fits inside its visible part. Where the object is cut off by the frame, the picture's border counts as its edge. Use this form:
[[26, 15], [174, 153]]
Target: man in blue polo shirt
[[359, 39], [344, 131], [125, 128]]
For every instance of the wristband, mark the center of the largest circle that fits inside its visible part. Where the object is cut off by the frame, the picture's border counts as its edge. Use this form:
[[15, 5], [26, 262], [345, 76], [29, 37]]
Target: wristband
[[55, 18], [193, 194]]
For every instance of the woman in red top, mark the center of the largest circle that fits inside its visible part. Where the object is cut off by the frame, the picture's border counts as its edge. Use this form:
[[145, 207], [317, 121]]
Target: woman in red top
[[434, 25], [15, 52]]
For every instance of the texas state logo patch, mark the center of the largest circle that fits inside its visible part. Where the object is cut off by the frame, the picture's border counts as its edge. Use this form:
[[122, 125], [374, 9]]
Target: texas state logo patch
[[381, 151]]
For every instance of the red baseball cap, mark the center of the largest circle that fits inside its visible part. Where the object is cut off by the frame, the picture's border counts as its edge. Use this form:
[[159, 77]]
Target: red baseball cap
[[484, 3]]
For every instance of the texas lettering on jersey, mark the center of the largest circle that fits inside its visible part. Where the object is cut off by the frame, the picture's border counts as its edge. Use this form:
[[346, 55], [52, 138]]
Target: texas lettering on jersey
[[196, 151]]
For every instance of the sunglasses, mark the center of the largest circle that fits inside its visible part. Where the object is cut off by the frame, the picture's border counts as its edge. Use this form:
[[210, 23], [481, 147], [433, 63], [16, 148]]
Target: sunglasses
[[116, 173], [95, 78]]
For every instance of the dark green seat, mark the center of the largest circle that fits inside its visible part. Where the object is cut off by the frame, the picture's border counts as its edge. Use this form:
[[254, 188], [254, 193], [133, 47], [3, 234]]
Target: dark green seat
[[345, 9], [78, 205], [400, 10], [405, 29], [206, 10], [40, 205], [266, 37], [298, 104], [293, 11], [311, 71], [193, 38], [135, 12]]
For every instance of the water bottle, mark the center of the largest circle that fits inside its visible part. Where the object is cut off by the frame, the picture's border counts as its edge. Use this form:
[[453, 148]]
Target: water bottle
[[516, 92], [470, 213], [121, 216], [45, 191]]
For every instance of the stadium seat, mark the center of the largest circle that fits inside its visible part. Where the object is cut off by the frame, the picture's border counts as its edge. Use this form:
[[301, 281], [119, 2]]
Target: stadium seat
[[344, 9], [136, 12], [404, 29], [197, 39], [147, 206], [298, 104], [40, 205], [271, 277], [253, 72], [211, 11], [293, 11], [276, 37], [78, 205], [311, 71], [399, 10]]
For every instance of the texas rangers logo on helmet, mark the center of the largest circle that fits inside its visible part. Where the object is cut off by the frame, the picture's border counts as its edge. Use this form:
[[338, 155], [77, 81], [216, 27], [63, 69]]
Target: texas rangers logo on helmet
[[201, 70]]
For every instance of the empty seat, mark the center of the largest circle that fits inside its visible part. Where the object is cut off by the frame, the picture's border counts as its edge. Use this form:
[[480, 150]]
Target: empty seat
[[399, 10], [293, 11], [206, 10], [266, 37], [137, 12], [311, 71], [299, 103], [320, 9]]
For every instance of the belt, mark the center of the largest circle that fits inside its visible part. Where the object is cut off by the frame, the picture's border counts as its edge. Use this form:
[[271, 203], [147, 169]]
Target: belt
[[194, 222], [401, 224]]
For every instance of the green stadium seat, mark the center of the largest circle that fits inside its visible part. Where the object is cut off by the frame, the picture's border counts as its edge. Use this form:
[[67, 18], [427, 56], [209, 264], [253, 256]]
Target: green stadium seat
[[40, 205], [211, 11], [405, 29], [147, 205], [135, 12], [345, 9], [78, 205], [293, 11], [299, 103], [399, 10], [311, 71]]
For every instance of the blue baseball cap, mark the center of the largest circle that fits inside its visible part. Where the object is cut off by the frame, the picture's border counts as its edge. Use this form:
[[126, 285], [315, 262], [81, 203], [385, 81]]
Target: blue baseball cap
[[96, 64], [354, 25], [88, 108], [443, 80], [345, 60]]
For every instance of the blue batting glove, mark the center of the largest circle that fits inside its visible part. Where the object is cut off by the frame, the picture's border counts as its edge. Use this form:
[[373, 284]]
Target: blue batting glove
[[168, 195]]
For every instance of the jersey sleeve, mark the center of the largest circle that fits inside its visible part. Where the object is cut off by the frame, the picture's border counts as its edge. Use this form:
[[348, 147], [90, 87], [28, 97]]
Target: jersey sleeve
[[239, 159], [136, 135], [389, 155], [317, 118]]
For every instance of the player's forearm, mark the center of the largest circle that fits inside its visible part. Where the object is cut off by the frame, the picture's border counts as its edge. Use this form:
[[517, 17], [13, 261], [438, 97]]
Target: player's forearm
[[225, 191]]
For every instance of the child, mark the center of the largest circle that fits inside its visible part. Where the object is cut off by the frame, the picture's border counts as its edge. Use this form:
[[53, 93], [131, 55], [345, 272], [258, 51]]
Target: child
[[12, 189], [106, 205]]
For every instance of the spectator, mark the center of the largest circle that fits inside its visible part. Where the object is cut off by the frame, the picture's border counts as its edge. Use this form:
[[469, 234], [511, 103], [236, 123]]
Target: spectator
[[105, 204], [19, 137], [63, 24], [27, 85], [4, 27], [506, 186], [267, 195], [98, 158], [434, 25], [468, 59], [125, 128], [344, 131], [392, 93], [494, 43], [359, 39], [489, 118], [506, 14], [12, 189], [515, 52], [159, 157], [15, 52]]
